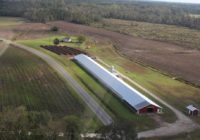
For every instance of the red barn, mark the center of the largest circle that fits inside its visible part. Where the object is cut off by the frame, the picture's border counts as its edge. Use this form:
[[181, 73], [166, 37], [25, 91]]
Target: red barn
[[150, 109], [136, 100]]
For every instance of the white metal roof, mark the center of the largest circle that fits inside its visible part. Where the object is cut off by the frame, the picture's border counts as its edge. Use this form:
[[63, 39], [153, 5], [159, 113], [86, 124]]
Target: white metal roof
[[133, 97], [191, 108]]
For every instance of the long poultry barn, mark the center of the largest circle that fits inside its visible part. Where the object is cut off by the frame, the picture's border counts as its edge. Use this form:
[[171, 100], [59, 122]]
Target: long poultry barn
[[136, 100]]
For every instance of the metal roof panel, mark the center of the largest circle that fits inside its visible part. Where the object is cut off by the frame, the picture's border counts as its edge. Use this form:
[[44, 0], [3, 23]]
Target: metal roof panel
[[118, 86]]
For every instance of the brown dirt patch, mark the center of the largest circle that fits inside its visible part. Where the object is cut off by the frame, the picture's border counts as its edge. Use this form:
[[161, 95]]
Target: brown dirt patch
[[64, 50], [172, 59], [25, 31]]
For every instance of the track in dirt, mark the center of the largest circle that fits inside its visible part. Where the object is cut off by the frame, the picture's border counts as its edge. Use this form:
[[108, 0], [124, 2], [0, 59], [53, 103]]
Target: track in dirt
[[168, 58]]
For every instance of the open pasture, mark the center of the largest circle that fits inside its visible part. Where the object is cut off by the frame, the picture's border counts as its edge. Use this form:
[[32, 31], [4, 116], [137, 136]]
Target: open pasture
[[182, 36]]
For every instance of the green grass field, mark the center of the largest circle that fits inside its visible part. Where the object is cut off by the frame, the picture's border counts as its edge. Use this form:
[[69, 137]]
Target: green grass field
[[28, 81], [8, 21], [167, 33]]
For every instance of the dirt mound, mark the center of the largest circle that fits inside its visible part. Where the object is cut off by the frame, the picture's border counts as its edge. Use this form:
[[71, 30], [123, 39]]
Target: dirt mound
[[175, 60]]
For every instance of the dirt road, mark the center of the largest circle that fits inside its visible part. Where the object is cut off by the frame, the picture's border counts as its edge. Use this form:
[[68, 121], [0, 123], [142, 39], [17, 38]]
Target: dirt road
[[172, 59], [3, 48], [92, 104], [183, 123]]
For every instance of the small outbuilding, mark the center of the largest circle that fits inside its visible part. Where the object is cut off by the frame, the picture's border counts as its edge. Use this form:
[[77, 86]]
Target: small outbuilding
[[66, 40], [192, 111]]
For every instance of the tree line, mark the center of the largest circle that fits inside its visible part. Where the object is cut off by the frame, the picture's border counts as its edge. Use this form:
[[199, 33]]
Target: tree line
[[21, 124], [86, 12]]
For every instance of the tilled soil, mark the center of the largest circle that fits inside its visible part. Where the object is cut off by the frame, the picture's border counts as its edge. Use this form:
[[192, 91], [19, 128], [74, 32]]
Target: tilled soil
[[25, 31], [183, 63]]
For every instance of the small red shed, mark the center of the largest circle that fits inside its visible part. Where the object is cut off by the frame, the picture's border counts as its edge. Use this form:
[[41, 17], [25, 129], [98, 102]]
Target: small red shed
[[193, 111]]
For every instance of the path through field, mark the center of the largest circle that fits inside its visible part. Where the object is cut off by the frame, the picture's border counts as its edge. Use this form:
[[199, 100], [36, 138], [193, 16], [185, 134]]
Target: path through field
[[98, 110], [183, 123]]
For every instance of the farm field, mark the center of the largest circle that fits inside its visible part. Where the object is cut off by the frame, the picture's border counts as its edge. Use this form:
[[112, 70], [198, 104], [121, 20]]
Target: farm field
[[163, 86], [97, 91], [18, 28], [8, 21], [28, 81], [160, 84], [182, 36], [155, 54]]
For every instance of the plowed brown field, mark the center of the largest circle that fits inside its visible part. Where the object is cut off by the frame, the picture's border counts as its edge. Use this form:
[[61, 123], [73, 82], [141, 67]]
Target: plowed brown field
[[25, 31], [175, 60]]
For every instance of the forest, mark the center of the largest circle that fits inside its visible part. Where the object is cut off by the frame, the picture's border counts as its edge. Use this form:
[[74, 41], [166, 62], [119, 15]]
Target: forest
[[87, 11]]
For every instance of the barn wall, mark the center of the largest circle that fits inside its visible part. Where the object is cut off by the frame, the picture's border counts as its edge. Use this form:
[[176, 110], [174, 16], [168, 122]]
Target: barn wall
[[195, 113], [145, 109]]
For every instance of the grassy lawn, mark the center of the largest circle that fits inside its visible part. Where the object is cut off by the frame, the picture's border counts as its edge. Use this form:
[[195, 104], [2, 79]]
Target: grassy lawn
[[167, 33], [8, 21], [28, 81], [49, 41]]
